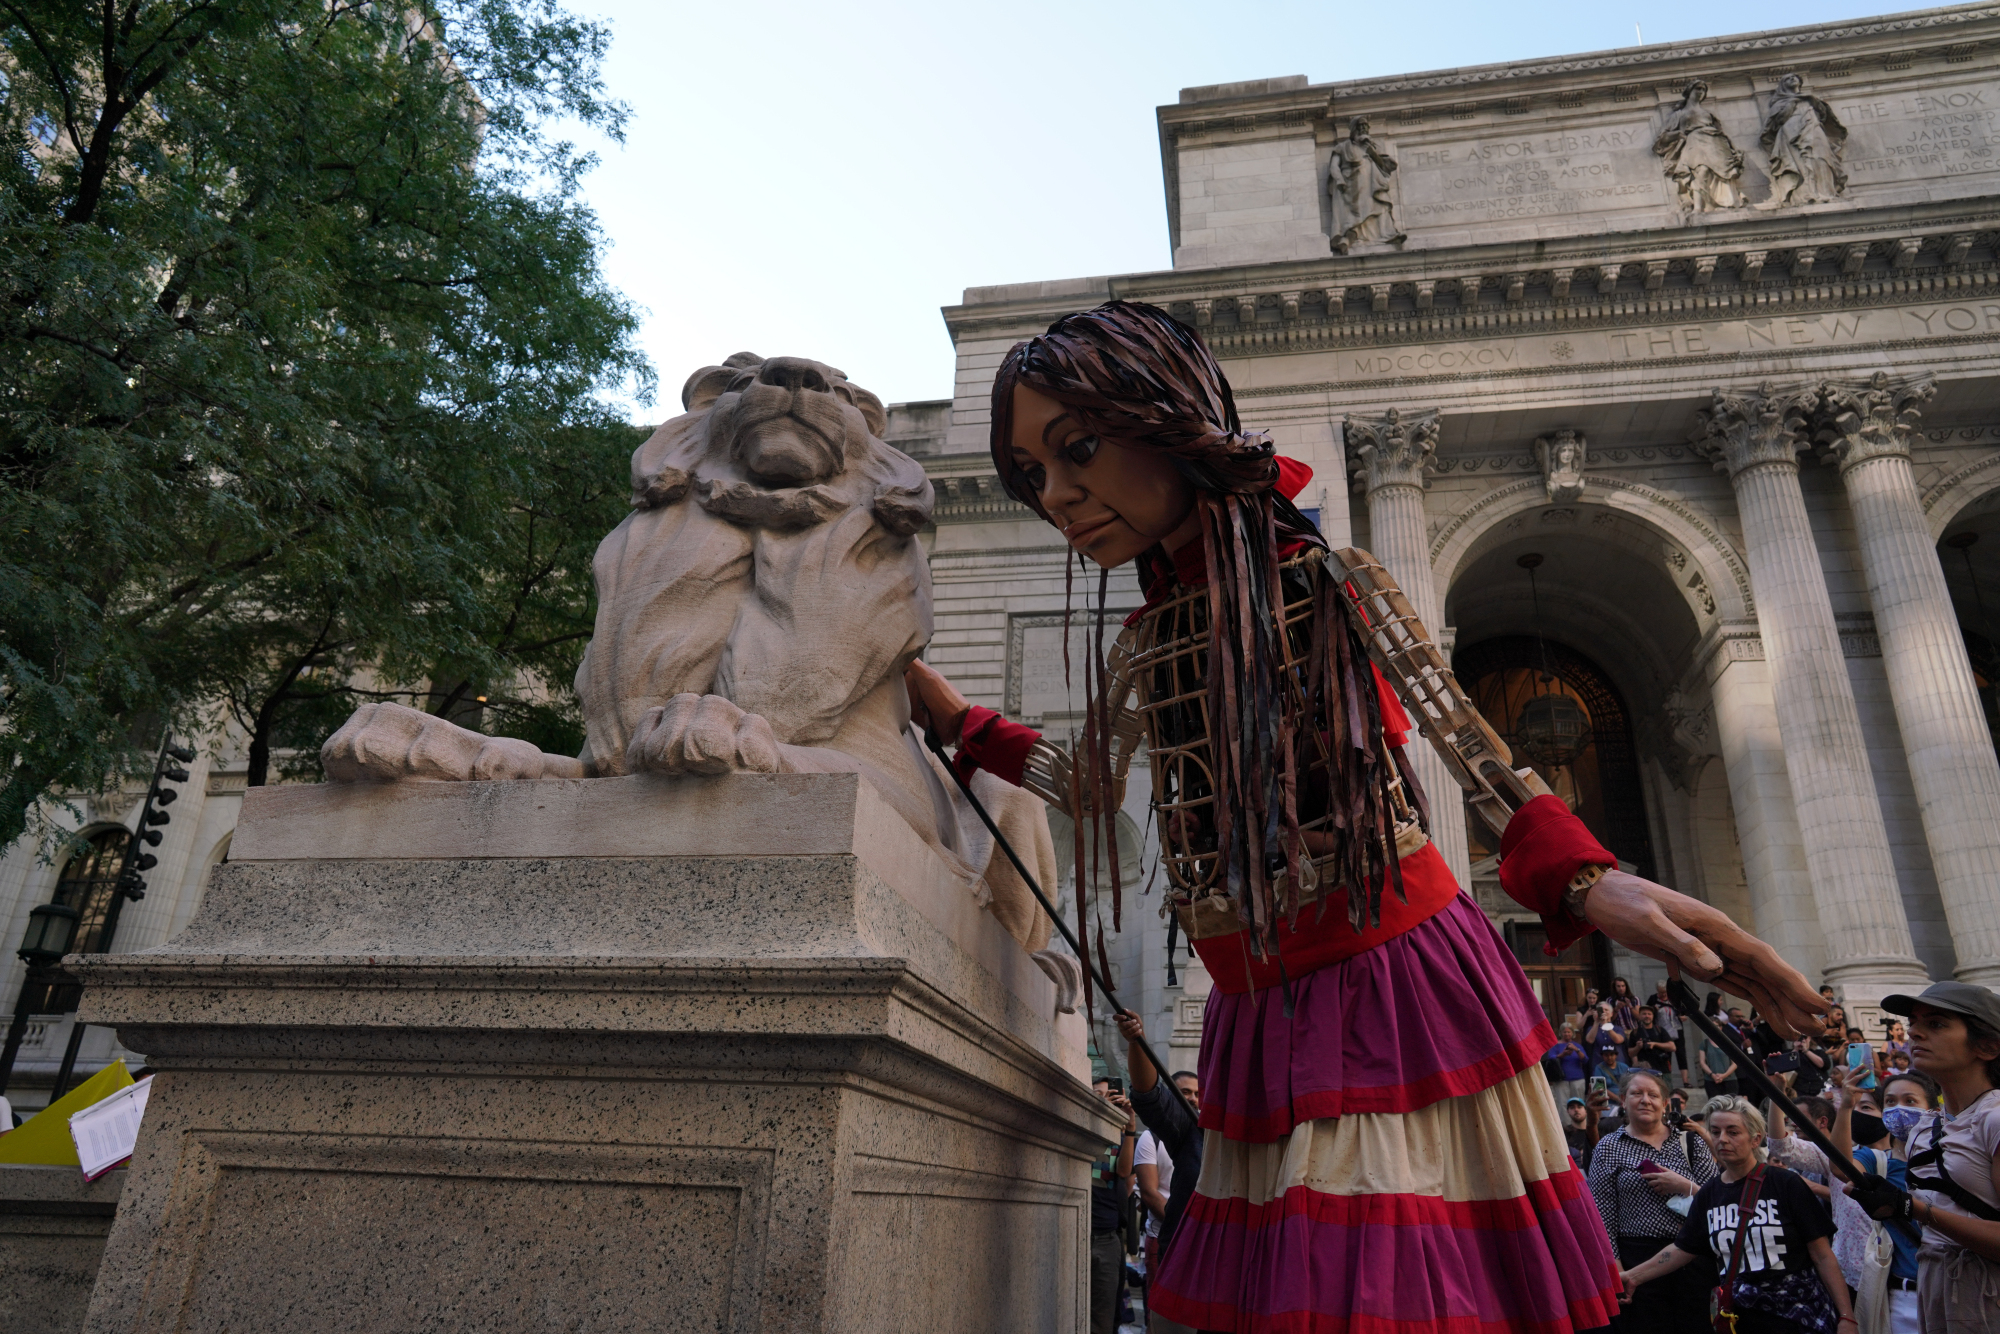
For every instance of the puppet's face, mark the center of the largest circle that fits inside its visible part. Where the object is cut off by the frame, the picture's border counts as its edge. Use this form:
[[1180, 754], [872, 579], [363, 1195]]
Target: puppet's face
[[1111, 501]]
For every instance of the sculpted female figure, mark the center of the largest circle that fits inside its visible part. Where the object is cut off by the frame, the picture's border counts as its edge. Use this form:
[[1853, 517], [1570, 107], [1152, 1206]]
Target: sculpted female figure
[[1358, 181], [1703, 165], [1380, 1150], [1804, 138]]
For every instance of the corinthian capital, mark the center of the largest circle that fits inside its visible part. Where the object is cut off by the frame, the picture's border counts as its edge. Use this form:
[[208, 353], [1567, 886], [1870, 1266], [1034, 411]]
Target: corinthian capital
[[1769, 426], [1393, 449], [1860, 420]]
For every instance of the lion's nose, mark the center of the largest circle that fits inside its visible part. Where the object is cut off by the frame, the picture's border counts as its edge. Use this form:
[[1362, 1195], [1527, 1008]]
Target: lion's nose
[[794, 373]]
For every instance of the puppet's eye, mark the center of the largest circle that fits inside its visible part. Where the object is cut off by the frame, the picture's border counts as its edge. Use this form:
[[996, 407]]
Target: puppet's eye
[[1081, 450]]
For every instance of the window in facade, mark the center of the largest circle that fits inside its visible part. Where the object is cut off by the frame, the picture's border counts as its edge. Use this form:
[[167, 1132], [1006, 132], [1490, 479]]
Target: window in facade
[[88, 882]]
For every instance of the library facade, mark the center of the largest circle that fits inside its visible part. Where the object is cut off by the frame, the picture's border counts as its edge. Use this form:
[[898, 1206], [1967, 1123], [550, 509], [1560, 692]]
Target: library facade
[[1667, 381]]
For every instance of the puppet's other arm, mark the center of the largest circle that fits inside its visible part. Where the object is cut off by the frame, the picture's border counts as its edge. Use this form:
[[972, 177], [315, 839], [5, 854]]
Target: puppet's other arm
[[1017, 753], [1549, 862]]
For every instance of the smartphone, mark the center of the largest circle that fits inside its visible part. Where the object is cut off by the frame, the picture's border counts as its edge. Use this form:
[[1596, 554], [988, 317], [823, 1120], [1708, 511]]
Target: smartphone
[[1647, 1167], [1117, 1085], [1861, 1056], [1598, 1084]]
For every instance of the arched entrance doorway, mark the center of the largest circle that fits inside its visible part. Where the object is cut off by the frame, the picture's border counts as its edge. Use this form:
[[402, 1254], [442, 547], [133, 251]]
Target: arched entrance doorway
[[1504, 675]]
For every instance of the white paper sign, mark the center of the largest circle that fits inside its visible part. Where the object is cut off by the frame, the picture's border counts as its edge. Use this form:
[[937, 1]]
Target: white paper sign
[[106, 1132]]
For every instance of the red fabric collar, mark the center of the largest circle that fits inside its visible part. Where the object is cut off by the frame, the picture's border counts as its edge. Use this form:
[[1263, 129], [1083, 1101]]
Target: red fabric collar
[[1189, 565]]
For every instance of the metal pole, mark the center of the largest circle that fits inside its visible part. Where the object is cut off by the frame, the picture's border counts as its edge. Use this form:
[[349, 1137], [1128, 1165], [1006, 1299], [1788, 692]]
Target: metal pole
[[1082, 954], [17, 1030], [1747, 1068]]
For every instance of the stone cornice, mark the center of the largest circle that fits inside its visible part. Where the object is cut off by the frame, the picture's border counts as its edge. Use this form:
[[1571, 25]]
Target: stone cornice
[[1830, 51], [1331, 302]]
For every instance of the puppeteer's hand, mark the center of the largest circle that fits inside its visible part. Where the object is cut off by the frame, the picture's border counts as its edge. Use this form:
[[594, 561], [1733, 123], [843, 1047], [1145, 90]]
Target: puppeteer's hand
[[934, 702], [1676, 929]]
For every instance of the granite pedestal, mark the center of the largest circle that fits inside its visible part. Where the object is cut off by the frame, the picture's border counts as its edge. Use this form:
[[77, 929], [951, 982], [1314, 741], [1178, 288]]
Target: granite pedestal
[[52, 1229], [638, 1053]]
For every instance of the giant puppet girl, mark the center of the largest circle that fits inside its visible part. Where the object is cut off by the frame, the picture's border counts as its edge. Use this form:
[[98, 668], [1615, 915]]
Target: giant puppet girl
[[1382, 1153]]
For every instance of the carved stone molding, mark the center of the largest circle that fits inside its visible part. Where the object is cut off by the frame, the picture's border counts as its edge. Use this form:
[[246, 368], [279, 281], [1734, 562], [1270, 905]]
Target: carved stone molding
[[1871, 419], [1393, 449], [1561, 459], [1761, 429]]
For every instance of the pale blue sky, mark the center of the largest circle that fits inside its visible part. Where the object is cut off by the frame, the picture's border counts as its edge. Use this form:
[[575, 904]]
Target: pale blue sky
[[817, 179]]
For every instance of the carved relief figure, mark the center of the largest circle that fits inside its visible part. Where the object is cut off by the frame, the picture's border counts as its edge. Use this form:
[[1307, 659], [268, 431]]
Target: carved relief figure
[[1358, 180], [1699, 159], [756, 612], [1804, 139], [1561, 458]]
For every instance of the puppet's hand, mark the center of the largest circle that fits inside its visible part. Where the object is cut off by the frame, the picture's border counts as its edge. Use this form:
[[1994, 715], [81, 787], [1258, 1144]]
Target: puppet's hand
[[702, 734], [1661, 924]]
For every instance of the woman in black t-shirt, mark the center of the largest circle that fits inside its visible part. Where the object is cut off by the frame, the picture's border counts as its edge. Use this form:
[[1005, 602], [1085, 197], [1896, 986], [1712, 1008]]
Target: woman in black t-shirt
[[1787, 1281]]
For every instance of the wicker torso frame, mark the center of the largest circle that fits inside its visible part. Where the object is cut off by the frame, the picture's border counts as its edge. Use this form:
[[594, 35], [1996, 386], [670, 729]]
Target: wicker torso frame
[[1157, 678]]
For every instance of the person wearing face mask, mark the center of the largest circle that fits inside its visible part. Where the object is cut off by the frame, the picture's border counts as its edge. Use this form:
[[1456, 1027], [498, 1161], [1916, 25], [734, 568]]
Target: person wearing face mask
[[1953, 1171], [1877, 1137]]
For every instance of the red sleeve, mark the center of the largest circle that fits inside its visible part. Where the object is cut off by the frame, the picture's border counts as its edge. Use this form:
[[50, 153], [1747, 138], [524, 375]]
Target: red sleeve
[[1544, 848], [1395, 722], [989, 741], [1292, 477]]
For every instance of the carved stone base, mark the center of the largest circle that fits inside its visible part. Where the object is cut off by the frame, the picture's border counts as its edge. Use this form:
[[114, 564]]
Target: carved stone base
[[726, 1054]]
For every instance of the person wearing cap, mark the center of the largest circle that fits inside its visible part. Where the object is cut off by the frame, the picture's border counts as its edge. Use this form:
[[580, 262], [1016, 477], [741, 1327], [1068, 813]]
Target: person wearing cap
[[1954, 1158]]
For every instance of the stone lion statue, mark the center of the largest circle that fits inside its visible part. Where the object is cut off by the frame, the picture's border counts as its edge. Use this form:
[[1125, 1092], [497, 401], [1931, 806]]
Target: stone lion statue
[[755, 613]]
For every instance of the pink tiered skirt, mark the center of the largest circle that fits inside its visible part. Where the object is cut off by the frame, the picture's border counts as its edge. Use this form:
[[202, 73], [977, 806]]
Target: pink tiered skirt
[[1388, 1160]]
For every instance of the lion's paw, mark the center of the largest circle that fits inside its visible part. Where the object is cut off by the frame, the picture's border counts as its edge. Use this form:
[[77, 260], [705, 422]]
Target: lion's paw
[[386, 743], [702, 734]]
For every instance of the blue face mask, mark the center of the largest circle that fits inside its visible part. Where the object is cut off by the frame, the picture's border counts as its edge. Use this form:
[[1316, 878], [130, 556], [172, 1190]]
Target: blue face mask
[[1900, 1121]]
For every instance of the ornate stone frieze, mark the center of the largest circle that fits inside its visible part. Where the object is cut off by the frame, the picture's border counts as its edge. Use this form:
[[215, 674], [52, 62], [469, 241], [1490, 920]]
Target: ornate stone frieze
[[1393, 449], [1697, 155], [1804, 140], [1561, 458], [1859, 421], [1759, 429]]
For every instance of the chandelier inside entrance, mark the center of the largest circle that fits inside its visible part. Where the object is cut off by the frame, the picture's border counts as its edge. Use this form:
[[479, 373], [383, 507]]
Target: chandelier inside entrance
[[1552, 729]]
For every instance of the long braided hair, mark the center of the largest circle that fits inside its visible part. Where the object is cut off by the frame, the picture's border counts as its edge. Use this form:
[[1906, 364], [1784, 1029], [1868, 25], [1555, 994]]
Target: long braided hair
[[1135, 375]]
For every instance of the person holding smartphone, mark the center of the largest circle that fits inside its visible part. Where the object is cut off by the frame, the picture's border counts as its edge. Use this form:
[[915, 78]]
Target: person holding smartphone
[[1766, 1235], [1642, 1176]]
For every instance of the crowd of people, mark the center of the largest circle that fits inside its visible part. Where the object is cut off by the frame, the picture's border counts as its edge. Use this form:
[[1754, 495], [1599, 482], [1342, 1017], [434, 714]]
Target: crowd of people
[[1714, 1201]]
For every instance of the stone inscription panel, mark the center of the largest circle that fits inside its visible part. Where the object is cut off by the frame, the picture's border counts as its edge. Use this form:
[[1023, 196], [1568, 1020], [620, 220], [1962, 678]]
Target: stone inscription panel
[[1041, 692], [1942, 129], [1561, 349], [1530, 176]]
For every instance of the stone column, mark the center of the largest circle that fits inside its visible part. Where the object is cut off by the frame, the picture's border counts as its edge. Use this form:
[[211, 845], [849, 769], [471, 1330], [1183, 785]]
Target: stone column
[[1756, 437], [1952, 765], [1393, 453]]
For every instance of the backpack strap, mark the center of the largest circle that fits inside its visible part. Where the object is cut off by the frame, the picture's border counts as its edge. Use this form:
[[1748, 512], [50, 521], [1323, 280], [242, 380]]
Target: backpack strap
[[1942, 1183], [1752, 1188]]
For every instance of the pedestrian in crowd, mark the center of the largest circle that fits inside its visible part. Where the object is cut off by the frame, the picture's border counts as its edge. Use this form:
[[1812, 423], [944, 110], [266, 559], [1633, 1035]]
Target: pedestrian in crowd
[[1718, 1070], [1581, 1130], [1110, 1183], [1809, 1081], [1797, 1152], [1642, 1175], [1897, 1044], [1836, 1024], [1651, 1046], [1766, 1234], [1899, 1063], [1167, 1161], [1612, 1069], [1624, 1005], [1669, 1020], [1605, 1032], [1954, 1158], [1905, 1099], [1571, 1068]]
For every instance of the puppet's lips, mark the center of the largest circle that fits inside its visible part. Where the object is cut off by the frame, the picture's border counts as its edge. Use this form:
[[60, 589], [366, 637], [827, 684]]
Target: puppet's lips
[[1085, 528]]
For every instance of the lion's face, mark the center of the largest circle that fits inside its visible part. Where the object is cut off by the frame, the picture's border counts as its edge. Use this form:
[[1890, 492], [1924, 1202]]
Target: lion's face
[[787, 421]]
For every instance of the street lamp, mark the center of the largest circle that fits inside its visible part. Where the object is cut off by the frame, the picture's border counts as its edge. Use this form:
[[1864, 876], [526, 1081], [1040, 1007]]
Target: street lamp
[[51, 927]]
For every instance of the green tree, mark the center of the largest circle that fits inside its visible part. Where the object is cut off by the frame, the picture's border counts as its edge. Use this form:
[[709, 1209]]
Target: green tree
[[303, 356]]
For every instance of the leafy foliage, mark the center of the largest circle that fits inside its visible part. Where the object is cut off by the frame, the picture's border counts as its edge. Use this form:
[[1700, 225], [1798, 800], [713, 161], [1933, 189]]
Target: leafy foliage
[[302, 349]]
